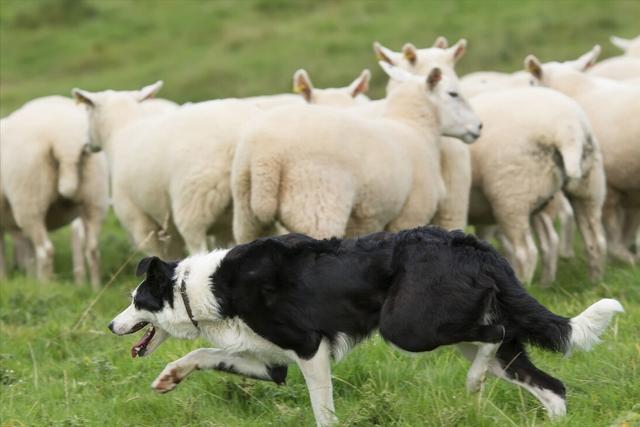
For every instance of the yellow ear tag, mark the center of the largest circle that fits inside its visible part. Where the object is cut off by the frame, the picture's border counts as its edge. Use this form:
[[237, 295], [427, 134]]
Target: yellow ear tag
[[409, 56], [298, 88]]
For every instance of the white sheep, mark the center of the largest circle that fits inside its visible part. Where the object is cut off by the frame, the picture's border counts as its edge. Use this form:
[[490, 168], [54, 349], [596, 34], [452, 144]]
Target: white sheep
[[524, 157], [551, 244], [306, 92], [181, 193], [612, 108], [455, 163], [47, 180], [624, 67], [334, 172], [484, 81], [169, 172]]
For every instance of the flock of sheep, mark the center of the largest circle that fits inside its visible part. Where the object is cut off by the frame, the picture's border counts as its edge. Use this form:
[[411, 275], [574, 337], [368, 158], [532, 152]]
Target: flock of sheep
[[560, 140]]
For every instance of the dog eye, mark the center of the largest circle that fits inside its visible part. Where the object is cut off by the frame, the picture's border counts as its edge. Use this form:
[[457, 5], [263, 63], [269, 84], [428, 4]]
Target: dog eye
[[453, 94]]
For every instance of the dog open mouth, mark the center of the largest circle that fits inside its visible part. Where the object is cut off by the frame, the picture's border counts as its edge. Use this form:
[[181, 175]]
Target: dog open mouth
[[140, 348]]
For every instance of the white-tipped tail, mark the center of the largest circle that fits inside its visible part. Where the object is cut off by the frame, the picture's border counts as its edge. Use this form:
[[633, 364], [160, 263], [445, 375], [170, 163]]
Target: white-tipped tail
[[587, 327]]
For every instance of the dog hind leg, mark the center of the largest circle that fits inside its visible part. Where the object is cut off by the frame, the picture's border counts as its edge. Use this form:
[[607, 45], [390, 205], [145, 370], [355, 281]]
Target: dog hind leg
[[513, 365]]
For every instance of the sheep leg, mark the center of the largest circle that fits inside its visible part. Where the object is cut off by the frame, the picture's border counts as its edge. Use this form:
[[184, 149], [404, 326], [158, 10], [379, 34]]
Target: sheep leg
[[362, 226], [507, 248], [419, 209], [3, 257], [631, 231], [142, 229], [174, 246], [566, 218], [517, 232], [77, 245], [23, 253], [92, 221], [455, 167], [612, 217], [588, 218], [549, 243], [193, 227], [37, 233], [486, 232], [196, 210], [220, 234]]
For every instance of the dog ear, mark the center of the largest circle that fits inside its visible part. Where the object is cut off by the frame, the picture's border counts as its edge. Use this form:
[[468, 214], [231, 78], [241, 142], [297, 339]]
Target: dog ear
[[144, 264], [159, 273]]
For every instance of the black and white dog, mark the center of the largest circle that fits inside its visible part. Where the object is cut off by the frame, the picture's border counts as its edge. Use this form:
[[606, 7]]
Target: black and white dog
[[293, 299]]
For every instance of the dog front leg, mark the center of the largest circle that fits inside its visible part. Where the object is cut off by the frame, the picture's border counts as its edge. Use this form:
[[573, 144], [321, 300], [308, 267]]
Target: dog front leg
[[211, 358], [317, 375]]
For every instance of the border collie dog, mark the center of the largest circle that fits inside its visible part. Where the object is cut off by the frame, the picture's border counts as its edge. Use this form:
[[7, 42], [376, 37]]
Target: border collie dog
[[294, 299]]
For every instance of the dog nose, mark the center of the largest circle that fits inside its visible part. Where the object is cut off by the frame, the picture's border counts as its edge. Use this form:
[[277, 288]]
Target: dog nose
[[111, 327], [480, 126]]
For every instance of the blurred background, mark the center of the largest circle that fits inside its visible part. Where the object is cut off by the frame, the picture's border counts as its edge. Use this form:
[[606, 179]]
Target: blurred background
[[212, 49]]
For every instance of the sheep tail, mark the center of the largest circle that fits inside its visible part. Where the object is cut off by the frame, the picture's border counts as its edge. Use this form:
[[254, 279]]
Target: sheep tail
[[265, 186], [68, 179]]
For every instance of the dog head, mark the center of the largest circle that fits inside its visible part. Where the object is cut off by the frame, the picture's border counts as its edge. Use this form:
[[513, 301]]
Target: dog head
[[152, 304]]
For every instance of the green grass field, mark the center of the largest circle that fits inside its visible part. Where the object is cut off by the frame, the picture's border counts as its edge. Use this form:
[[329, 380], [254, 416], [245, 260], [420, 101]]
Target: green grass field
[[60, 366]]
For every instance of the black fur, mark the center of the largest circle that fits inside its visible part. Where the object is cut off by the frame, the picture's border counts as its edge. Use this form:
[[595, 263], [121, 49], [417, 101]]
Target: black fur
[[422, 288], [277, 374], [515, 361], [157, 288]]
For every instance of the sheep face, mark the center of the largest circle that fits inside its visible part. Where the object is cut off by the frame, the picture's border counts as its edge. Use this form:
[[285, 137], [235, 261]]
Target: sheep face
[[457, 119]]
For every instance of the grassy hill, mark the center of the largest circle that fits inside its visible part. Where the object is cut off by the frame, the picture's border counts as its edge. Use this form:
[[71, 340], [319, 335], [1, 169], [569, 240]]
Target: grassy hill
[[60, 366], [210, 49]]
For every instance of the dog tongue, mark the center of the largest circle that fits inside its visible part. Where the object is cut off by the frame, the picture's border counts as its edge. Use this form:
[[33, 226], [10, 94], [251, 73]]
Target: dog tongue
[[141, 345]]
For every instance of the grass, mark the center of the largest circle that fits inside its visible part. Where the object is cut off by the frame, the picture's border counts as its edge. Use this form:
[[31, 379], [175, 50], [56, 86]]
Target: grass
[[57, 371]]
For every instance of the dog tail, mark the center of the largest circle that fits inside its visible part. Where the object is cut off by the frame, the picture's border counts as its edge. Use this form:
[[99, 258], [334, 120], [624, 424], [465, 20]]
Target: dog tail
[[587, 327], [537, 325]]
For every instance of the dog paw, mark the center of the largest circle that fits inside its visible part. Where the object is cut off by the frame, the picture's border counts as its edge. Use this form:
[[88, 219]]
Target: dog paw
[[166, 381], [475, 383]]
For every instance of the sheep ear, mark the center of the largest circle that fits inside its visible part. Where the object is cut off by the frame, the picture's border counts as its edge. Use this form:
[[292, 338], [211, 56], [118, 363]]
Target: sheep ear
[[302, 84], [441, 42], [620, 43], [394, 72], [533, 65], [458, 50], [587, 60], [410, 53], [83, 97], [361, 84], [384, 54], [150, 91], [434, 78]]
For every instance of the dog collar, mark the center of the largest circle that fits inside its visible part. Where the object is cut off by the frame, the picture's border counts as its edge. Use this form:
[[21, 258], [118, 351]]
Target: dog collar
[[185, 300]]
